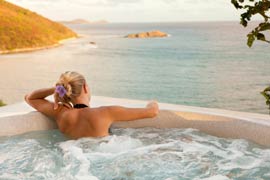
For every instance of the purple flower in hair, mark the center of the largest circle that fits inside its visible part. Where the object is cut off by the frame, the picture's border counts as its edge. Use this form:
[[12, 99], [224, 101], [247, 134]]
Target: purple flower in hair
[[60, 89]]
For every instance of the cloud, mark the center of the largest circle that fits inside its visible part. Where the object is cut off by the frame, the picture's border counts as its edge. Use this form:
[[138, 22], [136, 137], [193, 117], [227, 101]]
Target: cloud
[[133, 10], [78, 2]]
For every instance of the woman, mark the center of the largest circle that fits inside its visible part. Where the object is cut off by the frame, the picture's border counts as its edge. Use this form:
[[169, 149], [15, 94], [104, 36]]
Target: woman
[[71, 110]]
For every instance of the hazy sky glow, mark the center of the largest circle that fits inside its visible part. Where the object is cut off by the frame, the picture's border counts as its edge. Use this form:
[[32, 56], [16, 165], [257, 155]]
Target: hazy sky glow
[[133, 10]]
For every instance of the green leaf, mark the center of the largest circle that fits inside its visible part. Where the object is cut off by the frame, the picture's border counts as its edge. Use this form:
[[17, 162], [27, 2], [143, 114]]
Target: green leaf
[[236, 4], [264, 26], [243, 22], [250, 39], [266, 89], [261, 37]]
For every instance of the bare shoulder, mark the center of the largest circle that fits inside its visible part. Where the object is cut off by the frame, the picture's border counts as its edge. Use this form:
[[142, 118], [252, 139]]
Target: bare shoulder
[[96, 113], [64, 113], [100, 112], [97, 118], [84, 112]]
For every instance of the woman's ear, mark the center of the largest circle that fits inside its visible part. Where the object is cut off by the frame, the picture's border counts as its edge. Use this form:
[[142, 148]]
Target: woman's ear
[[85, 88]]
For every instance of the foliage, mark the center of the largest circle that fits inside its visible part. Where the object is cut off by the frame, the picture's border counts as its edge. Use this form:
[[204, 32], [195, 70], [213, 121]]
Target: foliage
[[21, 28], [266, 94], [2, 103], [253, 7]]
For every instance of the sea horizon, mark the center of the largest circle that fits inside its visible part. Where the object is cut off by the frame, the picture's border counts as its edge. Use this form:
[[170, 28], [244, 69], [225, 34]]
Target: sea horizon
[[138, 22], [185, 68]]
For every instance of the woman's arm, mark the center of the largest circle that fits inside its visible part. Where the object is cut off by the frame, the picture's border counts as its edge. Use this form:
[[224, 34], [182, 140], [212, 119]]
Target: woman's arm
[[40, 93], [37, 100], [120, 113]]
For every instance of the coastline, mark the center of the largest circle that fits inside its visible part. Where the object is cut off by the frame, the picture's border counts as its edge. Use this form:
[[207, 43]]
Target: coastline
[[23, 50]]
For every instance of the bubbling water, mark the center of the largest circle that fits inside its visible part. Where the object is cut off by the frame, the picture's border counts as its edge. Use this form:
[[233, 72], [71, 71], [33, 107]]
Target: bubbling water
[[146, 153]]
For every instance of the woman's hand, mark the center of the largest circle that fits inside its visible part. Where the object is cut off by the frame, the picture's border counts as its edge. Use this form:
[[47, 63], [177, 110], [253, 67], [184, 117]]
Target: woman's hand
[[153, 106]]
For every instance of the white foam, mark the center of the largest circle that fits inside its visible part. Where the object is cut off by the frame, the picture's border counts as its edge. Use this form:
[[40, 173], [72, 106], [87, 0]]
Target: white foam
[[241, 162], [66, 145], [119, 144], [83, 173], [72, 151], [172, 178], [135, 153], [216, 177], [3, 157]]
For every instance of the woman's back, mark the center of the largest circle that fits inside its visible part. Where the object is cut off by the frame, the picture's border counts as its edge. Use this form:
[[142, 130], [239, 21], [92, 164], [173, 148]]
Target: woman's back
[[83, 122], [96, 122]]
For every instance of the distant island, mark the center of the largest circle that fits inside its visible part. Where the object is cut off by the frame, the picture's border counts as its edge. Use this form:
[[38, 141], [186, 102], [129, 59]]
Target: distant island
[[23, 30], [83, 21], [150, 34]]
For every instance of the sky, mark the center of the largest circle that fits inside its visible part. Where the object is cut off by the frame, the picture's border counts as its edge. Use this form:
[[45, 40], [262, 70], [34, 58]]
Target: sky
[[133, 10]]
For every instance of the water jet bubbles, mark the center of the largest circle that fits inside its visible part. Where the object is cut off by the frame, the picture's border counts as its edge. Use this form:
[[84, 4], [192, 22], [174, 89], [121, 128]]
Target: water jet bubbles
[[119, 144], [217, 177], [144, 153]]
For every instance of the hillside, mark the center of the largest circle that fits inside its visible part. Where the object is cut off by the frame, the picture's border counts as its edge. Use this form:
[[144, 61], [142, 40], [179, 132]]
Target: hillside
[[24, 29]]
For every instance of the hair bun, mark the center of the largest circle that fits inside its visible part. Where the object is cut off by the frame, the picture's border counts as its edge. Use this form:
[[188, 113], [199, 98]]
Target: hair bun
[[69, 89], [73, 83]]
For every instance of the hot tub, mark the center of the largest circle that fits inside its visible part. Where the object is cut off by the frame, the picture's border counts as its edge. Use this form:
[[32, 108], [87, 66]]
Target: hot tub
[[183, 142]]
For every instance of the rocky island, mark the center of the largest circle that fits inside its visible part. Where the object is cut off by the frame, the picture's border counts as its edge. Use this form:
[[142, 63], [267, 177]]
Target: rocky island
[[150, 34], [76, 21], [23, 30]]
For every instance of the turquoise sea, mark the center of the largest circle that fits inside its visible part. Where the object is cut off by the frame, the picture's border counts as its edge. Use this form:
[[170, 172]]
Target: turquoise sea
[[204, 64]]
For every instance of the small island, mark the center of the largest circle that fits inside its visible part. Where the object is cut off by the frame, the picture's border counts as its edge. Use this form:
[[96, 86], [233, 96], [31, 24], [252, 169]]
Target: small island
[[150, 34], [76, 21], [83, 21], [23, 30]]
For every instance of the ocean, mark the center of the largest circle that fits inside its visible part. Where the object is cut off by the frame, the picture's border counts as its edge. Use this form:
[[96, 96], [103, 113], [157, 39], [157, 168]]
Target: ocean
[[205, 64]]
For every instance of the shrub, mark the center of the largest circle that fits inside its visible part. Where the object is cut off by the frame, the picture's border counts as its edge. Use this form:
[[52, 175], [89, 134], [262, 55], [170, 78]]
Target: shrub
[[266, 94], [2, 103]]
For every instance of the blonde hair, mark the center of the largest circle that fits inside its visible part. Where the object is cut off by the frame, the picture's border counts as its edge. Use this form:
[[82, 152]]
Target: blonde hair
[[72, 82]]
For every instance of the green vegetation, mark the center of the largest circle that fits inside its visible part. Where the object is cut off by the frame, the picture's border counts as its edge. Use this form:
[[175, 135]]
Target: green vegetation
[[21, 28], [2, 103], [266, 94], [253, 8]]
